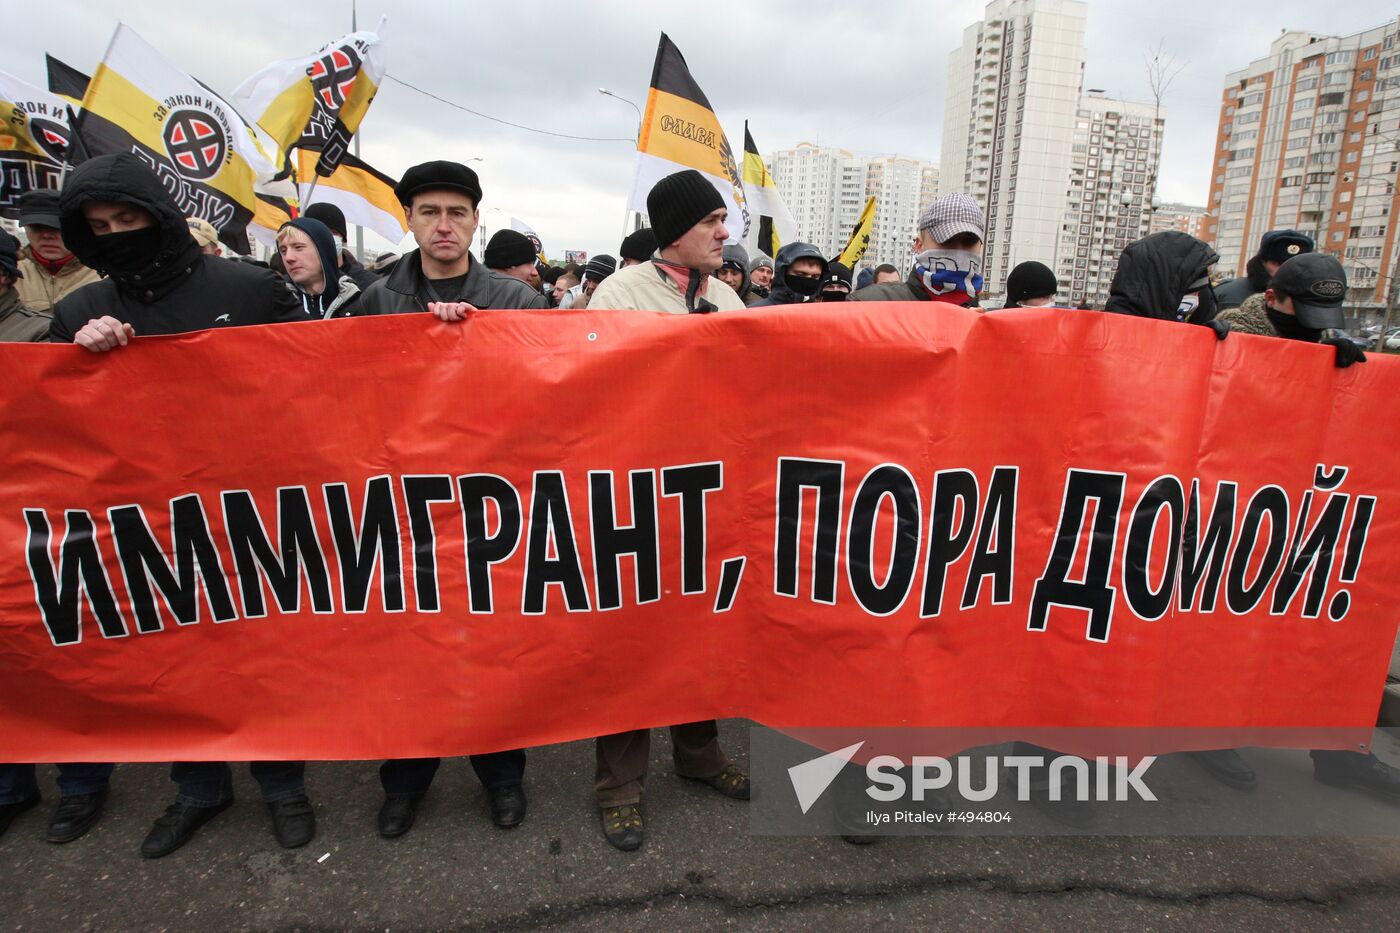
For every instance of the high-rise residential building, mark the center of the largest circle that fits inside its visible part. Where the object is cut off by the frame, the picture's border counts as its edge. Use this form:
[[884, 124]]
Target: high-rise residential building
[[825, 189], [901, 187], [1014, 93], [1186, 218], [1309, 139], [1116, 153]]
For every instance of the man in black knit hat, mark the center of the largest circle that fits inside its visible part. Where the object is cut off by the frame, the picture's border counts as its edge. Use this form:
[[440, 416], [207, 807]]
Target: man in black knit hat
[[1031, 285], [638, 246], [687, 215], [511, 253]]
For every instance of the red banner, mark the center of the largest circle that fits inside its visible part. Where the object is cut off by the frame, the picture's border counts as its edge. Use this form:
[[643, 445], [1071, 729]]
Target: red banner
[[394, 537]]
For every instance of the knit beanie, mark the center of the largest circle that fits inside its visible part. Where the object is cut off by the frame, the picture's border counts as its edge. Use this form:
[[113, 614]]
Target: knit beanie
[[678, 202], [639, 245], [1030, 280], [507, 249]]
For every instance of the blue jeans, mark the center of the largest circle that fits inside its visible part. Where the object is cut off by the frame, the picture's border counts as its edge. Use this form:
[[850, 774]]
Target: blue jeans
[[411, 777], [17, 782], [210, 783]]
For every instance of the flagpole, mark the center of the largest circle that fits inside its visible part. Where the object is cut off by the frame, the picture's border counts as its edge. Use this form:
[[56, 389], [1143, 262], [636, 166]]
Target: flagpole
[[359, 228]]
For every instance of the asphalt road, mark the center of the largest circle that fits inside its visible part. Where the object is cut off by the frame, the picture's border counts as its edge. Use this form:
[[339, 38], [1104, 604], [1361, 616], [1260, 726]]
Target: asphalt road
[[699, 868]]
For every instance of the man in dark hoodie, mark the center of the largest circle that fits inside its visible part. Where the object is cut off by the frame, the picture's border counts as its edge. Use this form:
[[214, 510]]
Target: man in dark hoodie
[[734, 271], [441, 201], [117, 217], [797, 275], [308, 253], [1275, 248], [1166, 276]]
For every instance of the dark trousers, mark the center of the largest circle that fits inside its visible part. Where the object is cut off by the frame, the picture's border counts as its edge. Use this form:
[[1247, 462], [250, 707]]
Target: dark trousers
[[210, 783], [411, 777], [18, 782], [622, 760]]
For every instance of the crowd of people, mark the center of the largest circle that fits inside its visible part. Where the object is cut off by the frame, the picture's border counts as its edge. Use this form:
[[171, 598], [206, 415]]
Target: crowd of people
[[111, 257]]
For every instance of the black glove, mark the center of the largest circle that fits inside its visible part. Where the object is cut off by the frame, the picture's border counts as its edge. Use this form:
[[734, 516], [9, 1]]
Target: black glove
[[1221, 329], [1347, 352]]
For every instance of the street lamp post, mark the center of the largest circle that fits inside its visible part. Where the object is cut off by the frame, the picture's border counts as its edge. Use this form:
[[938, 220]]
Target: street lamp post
[[627, 215]]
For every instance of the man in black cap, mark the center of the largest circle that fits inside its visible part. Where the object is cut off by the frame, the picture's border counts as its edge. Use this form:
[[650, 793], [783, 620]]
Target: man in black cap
[[639, 246], [1275, 248], [17, 323], [440, 200], [334, 218], [118, 218], [1031, 285], [1303, 301], [48, 270], [512, 253]]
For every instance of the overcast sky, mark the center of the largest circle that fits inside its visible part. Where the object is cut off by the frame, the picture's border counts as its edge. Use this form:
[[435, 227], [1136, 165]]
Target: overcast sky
[[867, 77]]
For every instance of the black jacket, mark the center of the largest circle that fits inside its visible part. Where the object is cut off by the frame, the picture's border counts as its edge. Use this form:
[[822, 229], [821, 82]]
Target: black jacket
[[180, 289], [1233, 293], [781, 293], [405, 290], [1154, 273]]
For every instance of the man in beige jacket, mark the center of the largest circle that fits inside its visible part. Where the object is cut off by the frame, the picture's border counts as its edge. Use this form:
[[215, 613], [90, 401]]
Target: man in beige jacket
[[49, 271]]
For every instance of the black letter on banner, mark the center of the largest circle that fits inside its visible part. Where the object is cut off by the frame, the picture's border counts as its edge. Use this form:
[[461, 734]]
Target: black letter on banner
[[298, 552], [550, 521], [420, 492], [827, 478], [1206, 561], [143, 563], [896, 483], [482, 549], [1137, 554], [999, 518], [1313, 555], [691, 483], [950, 488], [1239, 597], [357, 551], [80, 573], [611, 541], [1054, 588]]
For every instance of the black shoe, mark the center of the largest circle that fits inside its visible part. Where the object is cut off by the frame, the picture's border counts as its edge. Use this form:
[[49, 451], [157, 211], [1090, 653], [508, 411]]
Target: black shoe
[[396, 815], [178, 827], [856, 840], [1227, 766], [623, 827], [507, 806], [9, 811], [75, 816], [1363, 772], [293, 821]]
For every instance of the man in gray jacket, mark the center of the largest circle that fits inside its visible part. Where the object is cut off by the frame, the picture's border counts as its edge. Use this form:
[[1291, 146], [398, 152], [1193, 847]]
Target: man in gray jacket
[[441, 200]]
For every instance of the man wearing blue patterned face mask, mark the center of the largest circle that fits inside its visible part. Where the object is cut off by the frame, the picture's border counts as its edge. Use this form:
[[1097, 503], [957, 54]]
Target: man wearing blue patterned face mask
[[947, 257]]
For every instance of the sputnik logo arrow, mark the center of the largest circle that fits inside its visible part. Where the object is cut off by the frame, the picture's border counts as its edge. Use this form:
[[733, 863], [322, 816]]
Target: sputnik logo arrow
[[811, 778]]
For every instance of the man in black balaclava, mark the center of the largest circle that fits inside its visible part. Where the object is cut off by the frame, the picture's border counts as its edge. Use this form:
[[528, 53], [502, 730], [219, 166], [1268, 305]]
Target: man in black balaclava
[[797, 277], [1166, 276], [836, 284], [117, 217], [308, 253]]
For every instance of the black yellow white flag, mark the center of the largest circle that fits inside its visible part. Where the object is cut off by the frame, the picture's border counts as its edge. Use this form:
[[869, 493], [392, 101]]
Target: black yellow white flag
[[680, 131], [364, 196], [317, 101], [520, 226], [772, 224], [34, 137], [860, 237], [200, 147]]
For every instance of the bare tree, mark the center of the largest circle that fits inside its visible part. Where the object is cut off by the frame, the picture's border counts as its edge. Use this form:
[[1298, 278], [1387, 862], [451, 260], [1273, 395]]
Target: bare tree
[[1162, 69]]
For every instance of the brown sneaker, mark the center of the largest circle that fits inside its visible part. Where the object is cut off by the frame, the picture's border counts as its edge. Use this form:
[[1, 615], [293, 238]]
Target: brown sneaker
[[623, 827], [731, 782]]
